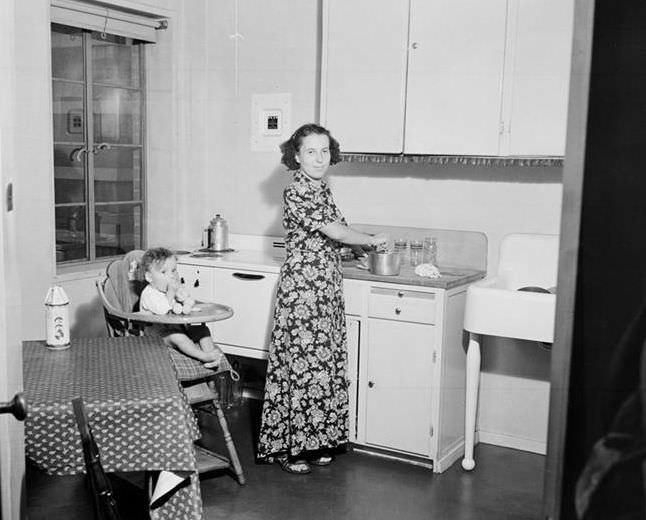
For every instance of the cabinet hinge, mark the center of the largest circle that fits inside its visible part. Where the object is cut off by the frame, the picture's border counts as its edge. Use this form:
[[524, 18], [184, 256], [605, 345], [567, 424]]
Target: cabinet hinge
[[431, 431], [501, 127]]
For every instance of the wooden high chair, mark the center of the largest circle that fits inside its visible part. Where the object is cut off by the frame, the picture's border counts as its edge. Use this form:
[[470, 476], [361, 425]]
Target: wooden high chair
[[119, 292]]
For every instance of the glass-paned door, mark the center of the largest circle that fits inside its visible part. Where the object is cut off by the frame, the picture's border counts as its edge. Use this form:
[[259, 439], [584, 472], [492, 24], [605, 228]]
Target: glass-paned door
[[98, 100]]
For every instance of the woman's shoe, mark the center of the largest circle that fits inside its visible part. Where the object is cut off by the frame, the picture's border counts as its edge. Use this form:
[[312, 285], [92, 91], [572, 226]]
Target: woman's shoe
[[324, 458], [297, 467]]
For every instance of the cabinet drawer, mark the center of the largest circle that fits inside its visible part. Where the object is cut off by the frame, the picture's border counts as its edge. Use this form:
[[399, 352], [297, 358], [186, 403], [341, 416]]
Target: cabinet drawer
[[404, 305]]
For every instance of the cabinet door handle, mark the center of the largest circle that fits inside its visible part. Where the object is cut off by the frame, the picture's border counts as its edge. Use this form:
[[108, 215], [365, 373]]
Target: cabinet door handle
[[400, 294], [247, 276], [196, 283], [371, 384], [398, 311], [414, 45]]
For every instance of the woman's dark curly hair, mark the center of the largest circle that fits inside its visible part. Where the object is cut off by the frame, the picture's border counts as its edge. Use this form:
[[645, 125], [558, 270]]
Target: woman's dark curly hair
[[290, 147]]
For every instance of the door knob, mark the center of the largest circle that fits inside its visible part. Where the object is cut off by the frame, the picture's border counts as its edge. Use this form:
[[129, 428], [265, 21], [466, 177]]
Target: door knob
[[371, 384], [17, 406]]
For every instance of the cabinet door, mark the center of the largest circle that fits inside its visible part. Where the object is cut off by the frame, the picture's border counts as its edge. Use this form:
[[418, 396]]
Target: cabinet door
[[353, 327], [398, 397], [456, 58], [198, 280], [363, 73], [251, 296], [540, 47]]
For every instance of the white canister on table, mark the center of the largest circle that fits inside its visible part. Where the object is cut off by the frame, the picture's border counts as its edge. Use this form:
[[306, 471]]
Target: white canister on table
[[57, 317]]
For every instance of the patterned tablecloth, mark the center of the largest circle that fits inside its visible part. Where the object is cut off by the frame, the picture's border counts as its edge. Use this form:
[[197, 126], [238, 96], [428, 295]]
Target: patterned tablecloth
[[139, 415]]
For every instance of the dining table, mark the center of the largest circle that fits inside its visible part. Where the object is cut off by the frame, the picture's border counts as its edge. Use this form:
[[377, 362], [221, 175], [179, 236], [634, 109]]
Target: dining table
[[139, 415]]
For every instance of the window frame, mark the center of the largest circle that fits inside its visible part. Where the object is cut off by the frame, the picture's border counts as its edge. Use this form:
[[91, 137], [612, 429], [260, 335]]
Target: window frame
[[91, 260]]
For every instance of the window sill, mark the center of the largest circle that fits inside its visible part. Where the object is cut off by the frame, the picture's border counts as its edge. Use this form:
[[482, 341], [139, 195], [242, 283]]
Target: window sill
[[69, 273]]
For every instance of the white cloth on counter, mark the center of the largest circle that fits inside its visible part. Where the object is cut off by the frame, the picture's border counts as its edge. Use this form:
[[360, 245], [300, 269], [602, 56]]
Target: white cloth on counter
[[427, 271]]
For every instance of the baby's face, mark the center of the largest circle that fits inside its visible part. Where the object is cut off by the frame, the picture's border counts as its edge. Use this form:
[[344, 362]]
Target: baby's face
[[163, 274]]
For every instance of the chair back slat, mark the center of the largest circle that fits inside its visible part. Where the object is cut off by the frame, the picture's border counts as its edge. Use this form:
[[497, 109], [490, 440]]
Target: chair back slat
[[105, 506]]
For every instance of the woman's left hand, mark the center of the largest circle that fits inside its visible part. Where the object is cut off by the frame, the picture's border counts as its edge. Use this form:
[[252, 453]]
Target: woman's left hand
[[382, 242]]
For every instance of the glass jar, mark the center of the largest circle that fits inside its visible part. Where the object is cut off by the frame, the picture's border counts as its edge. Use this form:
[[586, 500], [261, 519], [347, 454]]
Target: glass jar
[[416, 252], [401, 247], [430, 251]]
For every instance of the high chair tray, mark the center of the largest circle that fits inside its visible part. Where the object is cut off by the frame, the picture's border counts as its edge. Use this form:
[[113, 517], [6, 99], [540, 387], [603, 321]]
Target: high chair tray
[[203, 312]]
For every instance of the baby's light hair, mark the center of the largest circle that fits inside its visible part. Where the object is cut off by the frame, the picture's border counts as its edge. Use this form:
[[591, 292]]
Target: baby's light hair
[[153, 257]]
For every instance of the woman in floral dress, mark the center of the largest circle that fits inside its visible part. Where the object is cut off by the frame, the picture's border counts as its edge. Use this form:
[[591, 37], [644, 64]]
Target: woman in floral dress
[[305, 409]]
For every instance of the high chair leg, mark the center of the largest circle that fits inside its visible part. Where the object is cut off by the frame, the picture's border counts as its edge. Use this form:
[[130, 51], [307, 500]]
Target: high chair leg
[[231, 449]]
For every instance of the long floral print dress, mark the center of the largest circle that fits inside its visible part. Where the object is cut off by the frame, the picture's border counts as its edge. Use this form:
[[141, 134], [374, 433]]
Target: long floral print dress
[[306, 391]]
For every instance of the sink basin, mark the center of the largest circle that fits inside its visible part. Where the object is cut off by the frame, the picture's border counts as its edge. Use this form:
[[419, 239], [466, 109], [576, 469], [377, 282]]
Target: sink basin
[[518, 302], [495, 306]]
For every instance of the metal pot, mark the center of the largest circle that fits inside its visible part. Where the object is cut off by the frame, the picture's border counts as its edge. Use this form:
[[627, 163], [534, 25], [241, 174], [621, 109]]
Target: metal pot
[[384, 263]]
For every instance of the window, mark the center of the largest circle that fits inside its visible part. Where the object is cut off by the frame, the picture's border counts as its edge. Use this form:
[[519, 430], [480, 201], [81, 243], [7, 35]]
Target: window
[[99, 167]]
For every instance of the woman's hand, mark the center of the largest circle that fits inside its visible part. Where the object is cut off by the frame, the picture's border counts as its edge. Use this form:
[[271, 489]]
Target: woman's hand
[[382, 242]]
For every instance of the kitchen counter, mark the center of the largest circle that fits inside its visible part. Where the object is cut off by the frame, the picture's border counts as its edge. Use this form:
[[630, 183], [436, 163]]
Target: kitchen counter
[[271, 261], [450, 277]]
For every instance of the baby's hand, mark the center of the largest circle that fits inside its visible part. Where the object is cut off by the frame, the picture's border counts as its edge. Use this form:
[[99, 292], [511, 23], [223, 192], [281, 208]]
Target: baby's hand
[[177, 308], [187, 305], [181, 294]]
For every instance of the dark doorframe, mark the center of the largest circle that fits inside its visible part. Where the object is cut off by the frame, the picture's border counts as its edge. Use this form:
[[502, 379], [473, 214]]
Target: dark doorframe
[[573, 171], [602, 263]]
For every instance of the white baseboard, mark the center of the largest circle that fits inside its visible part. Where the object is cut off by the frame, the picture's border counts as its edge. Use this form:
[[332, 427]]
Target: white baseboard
[[454, 453], [509, 441]]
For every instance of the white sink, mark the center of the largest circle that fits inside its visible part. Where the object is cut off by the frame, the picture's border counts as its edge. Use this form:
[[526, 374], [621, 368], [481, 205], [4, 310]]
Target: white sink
[[496, 307]]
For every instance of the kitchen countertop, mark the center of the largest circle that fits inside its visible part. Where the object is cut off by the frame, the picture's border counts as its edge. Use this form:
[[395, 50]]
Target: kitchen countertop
[[271, 261], [450, 277]]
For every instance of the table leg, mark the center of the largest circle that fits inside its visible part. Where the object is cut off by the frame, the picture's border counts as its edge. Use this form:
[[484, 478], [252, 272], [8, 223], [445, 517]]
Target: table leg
[[471, 405]]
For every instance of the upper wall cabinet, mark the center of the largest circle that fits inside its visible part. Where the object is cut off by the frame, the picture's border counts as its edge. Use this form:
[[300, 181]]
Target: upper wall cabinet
[[363, 81], [447, 77]]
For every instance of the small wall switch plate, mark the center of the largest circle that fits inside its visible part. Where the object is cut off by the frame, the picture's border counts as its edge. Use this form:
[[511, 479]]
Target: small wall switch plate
[[270, 121], [9, 197]]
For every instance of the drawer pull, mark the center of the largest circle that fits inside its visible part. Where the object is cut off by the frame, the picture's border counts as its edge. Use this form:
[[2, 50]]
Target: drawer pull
[[371, 384], [398, 311], [247, 276], [400, 294]]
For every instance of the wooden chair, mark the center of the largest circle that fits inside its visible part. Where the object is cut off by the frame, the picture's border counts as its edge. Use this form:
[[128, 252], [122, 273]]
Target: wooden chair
[[119, 293], [105, 506]]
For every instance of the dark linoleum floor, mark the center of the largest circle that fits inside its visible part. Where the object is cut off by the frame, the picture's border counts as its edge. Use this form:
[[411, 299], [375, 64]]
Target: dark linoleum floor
[[505, 485]]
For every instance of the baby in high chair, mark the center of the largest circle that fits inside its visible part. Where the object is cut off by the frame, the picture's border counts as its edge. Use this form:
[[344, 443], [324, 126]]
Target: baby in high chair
[[163, 295]]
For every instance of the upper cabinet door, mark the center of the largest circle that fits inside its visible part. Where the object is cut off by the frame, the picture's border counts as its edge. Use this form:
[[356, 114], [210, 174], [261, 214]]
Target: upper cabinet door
[[537, 76], [456, 61], [363, 73]]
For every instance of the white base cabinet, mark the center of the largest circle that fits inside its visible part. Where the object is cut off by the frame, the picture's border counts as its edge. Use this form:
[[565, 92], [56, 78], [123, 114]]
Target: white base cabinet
[[411, 368], [250, 293], [406, 360], [398, 386]]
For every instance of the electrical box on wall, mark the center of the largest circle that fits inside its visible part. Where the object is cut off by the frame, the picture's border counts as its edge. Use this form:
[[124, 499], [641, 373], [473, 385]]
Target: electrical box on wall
[[270, 121]]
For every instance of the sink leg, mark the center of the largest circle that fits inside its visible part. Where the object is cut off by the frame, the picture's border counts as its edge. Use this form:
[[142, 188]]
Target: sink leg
[[471, 405]]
